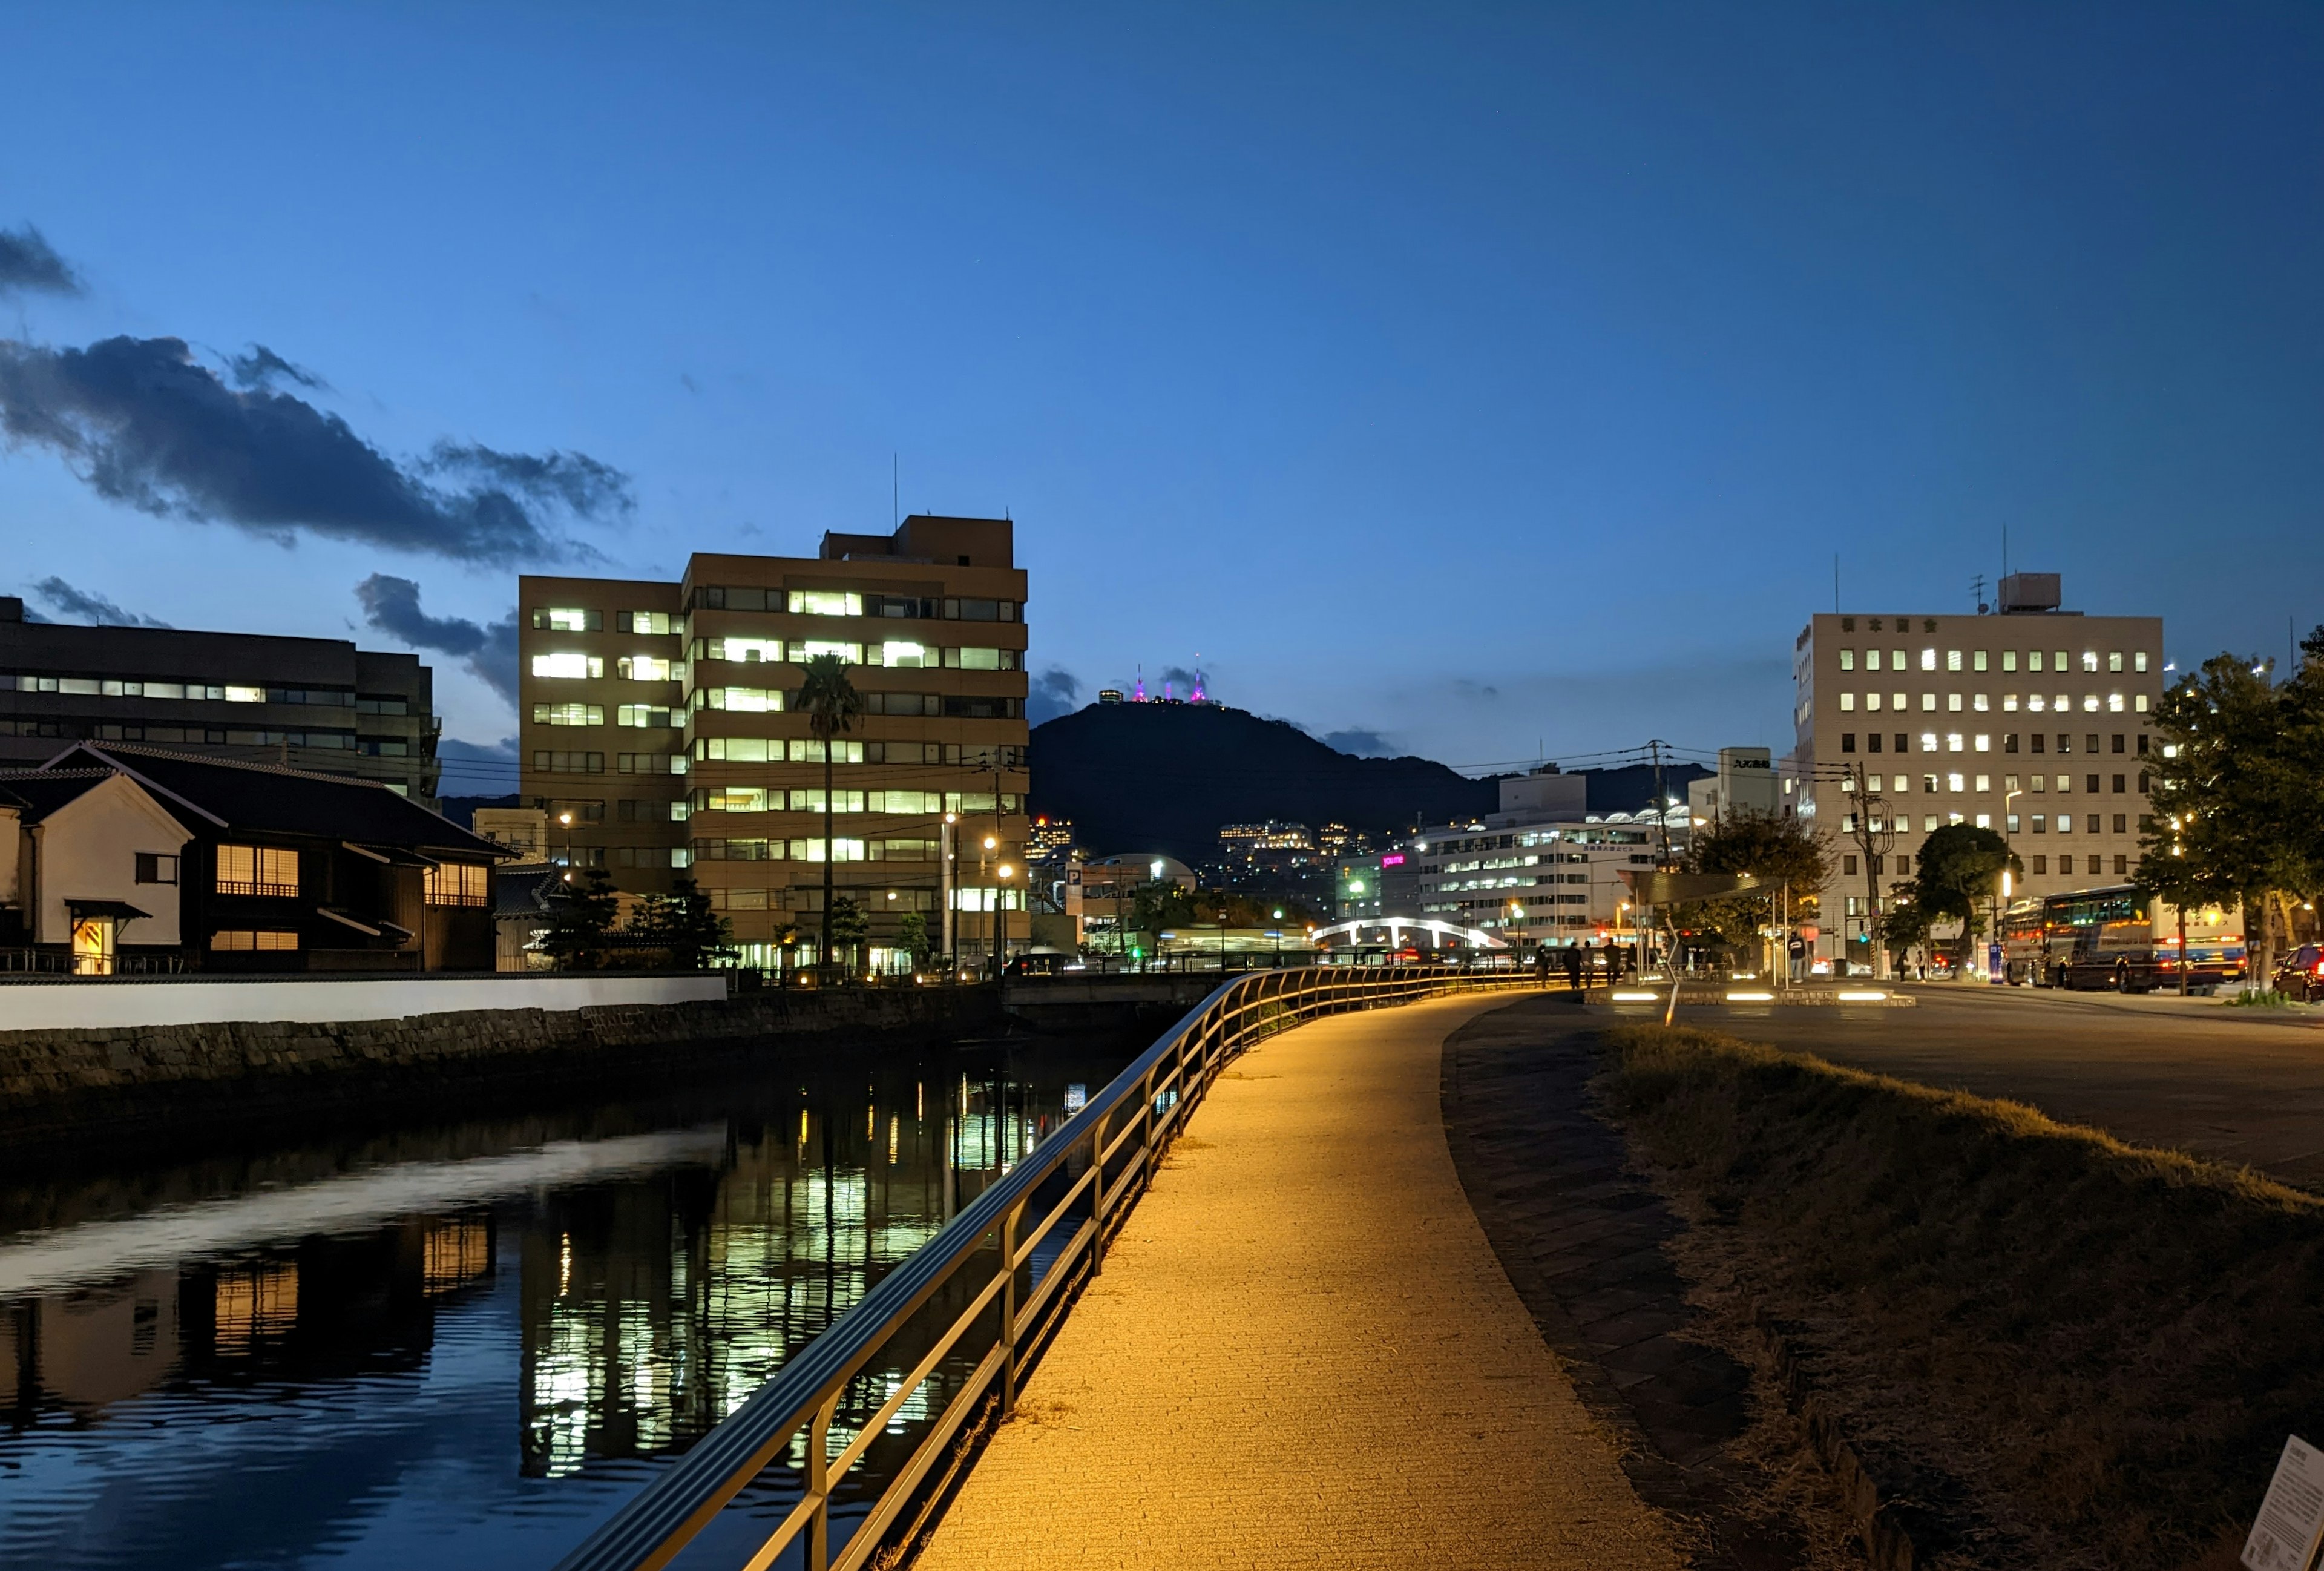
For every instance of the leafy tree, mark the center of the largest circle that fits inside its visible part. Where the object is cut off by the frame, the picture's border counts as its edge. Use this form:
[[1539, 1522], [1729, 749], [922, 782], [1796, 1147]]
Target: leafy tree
[[1775, 849], [832, 705], [845, 925], [1957, 875], [2234, 817], [1906, 924], [912, 936], [683, 923], [579, 922], [1157, 904]]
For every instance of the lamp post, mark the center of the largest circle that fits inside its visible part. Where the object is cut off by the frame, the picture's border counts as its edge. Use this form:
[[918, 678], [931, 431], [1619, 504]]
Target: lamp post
[[1006, 872], [984, 890], [945, 855], [2001, 902]]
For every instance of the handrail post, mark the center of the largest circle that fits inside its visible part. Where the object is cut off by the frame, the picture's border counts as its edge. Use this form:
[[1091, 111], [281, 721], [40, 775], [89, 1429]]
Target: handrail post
[[1097, 1206], [818, 1483], [1008, 1310]]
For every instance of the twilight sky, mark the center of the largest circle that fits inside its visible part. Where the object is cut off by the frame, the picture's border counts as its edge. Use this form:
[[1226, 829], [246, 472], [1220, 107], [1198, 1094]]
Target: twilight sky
[[1475, 382]]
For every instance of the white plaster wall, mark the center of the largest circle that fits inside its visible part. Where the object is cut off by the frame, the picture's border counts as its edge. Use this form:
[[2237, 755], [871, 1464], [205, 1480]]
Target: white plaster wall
[[108, 1001], [88, 850]]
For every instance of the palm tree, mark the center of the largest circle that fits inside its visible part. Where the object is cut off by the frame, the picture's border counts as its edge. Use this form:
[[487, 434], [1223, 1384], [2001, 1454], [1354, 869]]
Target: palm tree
[[832, 705]]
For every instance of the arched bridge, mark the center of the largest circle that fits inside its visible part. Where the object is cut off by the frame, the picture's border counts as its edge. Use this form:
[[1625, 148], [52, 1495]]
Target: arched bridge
[[1396, 926]]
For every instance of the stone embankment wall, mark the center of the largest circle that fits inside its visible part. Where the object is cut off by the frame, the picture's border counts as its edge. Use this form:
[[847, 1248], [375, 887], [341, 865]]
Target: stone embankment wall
[[56, 1083]]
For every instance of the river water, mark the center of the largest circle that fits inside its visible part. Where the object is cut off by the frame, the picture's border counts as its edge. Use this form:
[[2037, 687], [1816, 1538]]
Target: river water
[[465, 1343]]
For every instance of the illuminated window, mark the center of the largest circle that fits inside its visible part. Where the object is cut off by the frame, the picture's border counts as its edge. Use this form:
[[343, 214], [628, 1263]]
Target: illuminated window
[[246, 941], [461, 883], [2114, 703], [800, 651], [644, 714], [1872, 702], [2140, 703], [652, 622], [907, 801], [1847, 703], [752, 700], [152, 867], [2138, 661], [568, 714], [809, 749], [1928, 659], [1952, 742], [2009, 660], [1977, 662], [1952, 660], [1983, 783], [643, 668], [234, 695], [1953, 784], [567, 666], [2089, 702], [566, 619], [1953, 703], [843, 850], [267, 870], [1982, 742], [1927, 742], [898, 651], [735, 799], [2090, 659], [810, 800], [1928, 702], [736, 749], [981, 659], [825, 602], [1848, 659]]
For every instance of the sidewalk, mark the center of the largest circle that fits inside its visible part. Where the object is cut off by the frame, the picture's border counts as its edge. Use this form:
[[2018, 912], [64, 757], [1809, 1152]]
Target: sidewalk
[[1303, 1353]]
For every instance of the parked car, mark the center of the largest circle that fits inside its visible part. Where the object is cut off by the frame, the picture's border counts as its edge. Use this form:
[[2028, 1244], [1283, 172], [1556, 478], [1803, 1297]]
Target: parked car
[[2301, 975]]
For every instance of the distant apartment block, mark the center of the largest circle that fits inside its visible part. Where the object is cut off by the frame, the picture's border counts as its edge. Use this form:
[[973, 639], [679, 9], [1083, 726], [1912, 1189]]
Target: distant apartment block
[[1540, 871], [662, 733], [315, 704], [2034, 722]]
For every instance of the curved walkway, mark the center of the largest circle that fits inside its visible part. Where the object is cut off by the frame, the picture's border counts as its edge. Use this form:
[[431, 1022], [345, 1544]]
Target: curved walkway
[[1304, 1352]]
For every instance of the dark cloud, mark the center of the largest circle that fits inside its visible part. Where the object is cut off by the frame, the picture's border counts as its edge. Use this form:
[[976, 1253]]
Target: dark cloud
[[1056, 691], [28, 261], [71, 602], [479, 769], [1468, 688], [489, 651], [262, 365], [1178, 674], [1361, 742], [144, 423]]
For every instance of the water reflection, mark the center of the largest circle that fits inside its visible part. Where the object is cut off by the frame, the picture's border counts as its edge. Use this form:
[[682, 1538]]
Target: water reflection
[[333, 1338]]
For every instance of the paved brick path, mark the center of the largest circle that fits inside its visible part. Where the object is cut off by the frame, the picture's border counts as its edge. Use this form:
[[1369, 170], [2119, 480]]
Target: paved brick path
[[1304, 1352]]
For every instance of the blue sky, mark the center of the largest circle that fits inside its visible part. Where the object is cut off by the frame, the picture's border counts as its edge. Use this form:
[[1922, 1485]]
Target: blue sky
[[1489, 379]]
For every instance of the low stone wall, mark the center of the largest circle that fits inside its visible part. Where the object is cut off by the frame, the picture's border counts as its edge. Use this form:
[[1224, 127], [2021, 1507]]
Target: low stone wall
[[139, 1003], [59, 1084]]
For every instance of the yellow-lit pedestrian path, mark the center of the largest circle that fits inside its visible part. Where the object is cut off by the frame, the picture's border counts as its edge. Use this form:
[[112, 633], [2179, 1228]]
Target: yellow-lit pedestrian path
[[1303, 1352]]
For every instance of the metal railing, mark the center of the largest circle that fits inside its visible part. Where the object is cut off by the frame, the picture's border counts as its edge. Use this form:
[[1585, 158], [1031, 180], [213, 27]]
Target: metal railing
[[964, 1314]]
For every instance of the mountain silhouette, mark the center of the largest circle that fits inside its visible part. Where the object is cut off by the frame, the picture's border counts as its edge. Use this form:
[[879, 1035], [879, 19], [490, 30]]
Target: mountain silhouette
[[1163, 777]]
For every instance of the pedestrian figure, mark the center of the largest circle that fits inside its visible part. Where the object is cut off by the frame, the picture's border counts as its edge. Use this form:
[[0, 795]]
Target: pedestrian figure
[[1574, 966]]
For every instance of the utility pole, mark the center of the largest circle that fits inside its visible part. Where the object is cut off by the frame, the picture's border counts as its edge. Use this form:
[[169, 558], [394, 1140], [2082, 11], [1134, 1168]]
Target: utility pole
[[1875, 833]]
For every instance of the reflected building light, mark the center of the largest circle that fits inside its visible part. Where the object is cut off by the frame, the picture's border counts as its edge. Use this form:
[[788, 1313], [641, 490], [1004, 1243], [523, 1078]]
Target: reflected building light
[[455, 1253], [253, 1301]]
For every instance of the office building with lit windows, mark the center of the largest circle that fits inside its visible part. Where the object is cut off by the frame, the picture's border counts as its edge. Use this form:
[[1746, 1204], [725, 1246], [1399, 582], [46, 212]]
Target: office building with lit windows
[[2033, 721], [1542, 871], [661, 732], [315, 704]]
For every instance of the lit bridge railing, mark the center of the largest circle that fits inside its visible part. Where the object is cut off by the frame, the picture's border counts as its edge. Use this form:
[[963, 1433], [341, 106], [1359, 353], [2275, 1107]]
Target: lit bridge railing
[[946, 1336]]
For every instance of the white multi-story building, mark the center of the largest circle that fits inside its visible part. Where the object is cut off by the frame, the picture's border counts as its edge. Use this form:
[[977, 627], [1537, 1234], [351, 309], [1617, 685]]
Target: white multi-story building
[[2034, 722], [1542, 871]]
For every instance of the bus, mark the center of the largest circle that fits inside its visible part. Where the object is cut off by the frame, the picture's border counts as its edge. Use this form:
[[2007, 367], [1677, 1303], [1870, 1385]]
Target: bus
[[2118, 937]]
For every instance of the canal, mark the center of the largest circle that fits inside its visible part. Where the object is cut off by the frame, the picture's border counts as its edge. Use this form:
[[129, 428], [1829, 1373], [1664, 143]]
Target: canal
[[465, 1343]]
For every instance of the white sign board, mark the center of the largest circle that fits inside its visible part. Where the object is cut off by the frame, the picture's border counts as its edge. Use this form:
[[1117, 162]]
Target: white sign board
[[2291, 1518]]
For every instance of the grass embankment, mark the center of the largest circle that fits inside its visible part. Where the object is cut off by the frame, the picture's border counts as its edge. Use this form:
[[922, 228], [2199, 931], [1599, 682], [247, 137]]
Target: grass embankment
[[2106, 1344]]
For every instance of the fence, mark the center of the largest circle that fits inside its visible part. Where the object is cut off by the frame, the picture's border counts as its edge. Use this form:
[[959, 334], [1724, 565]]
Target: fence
[[946, 1337]]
